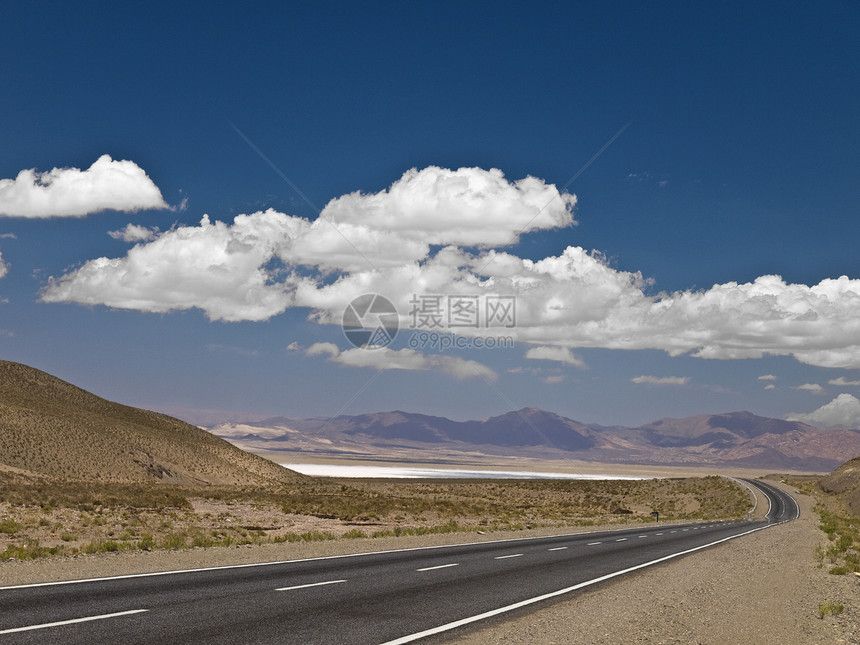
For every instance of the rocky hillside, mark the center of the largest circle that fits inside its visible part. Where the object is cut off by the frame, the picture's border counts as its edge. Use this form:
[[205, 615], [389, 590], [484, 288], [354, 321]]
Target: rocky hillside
[[50, 427], [845, 483]]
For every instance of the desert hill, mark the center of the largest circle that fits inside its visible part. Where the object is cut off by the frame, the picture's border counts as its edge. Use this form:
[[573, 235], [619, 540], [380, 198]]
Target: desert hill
[[739, 439], [50, 427], [845, 483]]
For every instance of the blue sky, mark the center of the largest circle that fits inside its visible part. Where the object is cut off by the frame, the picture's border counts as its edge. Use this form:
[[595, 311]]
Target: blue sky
[[738, 157]]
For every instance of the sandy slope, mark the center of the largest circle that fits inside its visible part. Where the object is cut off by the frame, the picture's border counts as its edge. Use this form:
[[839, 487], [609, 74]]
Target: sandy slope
[[51, 427]]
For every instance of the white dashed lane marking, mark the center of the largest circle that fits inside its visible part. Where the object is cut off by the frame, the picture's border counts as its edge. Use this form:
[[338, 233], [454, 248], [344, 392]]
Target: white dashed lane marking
[[72, 621], [439, 566], [313, 584]]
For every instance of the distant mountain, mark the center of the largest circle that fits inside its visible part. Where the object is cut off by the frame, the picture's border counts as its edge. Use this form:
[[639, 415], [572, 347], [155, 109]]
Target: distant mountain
[[50, 427], [738, 439]]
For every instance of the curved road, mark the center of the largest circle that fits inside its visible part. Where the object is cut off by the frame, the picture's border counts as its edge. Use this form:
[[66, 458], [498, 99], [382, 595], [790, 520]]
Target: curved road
[[374, 598], [783, 507]]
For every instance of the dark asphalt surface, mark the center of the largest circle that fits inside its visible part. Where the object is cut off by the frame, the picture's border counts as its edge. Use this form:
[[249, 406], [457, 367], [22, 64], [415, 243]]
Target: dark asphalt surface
[[368, 598]]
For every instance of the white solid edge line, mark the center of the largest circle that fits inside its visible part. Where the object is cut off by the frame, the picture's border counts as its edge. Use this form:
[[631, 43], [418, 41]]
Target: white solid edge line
[[769, 504], [523, 603], [72, 621], [439, 566], [312, 584], [326, 557]]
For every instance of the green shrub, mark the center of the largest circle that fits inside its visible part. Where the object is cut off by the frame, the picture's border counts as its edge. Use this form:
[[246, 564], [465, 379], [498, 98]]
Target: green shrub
[[354, 533], [27, 550], [832, 608], [173, 541]]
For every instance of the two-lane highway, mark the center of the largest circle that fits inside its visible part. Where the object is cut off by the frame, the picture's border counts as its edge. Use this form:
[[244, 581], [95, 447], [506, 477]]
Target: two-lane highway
[[783, 507], [388, 597]]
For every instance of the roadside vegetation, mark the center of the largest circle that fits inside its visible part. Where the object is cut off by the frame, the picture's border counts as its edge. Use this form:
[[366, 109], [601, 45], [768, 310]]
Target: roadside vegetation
[[840, 552], [42, 517], [831, 609]]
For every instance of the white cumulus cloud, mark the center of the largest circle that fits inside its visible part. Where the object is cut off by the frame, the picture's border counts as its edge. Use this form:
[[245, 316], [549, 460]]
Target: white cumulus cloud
[[4, 267], [443, 232], [323, 349], [550, 353], [216, 268], [661, 380], [402, 359], [843, 382], [767, 377], [71, 192], [843, 411], [467, 207], [814, 388], [134, 233]]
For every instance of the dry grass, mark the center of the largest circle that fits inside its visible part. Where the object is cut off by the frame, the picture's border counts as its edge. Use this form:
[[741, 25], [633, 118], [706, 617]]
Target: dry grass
[[41, 517]]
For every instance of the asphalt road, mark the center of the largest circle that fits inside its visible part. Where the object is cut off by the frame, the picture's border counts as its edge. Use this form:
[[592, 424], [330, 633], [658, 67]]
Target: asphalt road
[[374, 598]]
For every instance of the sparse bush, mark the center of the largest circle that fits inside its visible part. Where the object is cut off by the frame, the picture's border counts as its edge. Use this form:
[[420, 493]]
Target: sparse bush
[[832, 608], [173, 541], [27, 550], [843, 532], [354, 533]]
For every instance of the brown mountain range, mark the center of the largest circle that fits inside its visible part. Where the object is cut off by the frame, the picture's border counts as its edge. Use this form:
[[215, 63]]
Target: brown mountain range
[[50, 427], [739, 439]]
